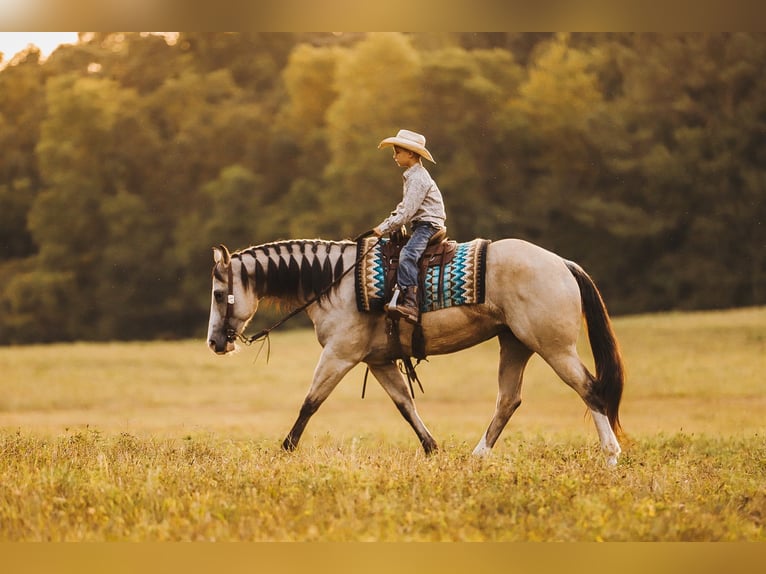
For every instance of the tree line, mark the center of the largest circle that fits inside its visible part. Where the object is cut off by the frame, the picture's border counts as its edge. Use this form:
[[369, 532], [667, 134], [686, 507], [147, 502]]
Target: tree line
[[126, 156]]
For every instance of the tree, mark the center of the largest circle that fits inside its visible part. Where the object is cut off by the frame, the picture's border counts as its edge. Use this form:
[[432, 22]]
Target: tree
[[463, 93], [233, 214], [378, 94], [22, 109], [66, 220], [683, 145]]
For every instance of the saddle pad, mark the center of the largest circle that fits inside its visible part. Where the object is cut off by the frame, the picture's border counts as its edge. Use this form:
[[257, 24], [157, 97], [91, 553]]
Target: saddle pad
[[460, 282]]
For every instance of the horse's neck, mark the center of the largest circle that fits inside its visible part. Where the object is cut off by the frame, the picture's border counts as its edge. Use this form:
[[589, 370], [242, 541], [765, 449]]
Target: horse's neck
[[297, 270]]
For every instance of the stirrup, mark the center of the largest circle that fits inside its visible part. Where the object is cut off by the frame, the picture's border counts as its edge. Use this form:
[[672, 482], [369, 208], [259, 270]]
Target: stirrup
[[394, 302]]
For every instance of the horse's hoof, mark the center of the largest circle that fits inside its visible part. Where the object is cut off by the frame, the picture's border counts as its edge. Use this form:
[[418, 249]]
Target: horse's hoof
[[288, 445], [482, 450]]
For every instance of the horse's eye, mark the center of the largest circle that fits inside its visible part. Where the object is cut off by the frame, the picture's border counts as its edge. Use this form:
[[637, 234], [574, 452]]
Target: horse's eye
[[218, 295]]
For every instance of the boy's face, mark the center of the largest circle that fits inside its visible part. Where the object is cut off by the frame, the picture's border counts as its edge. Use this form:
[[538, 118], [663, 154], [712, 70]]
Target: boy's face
[[404, 157]]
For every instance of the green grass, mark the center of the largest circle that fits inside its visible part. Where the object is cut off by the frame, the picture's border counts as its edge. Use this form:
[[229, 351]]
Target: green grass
[[164, 441]]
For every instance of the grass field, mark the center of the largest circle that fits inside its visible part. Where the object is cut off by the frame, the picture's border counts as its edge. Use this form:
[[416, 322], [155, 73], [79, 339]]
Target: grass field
[[164, 441]]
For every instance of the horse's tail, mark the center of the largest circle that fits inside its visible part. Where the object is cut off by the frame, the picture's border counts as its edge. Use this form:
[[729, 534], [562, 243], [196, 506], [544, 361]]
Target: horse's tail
[[610, 373]]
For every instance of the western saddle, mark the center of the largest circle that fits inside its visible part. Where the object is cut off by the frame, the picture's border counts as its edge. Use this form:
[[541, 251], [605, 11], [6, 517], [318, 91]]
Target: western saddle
[[440, 251]]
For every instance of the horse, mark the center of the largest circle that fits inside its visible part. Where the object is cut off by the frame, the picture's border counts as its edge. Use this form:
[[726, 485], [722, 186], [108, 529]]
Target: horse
[[535, 302]]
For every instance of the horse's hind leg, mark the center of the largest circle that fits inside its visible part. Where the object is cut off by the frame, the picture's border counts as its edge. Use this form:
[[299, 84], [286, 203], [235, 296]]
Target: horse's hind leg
[[513, 360], [570, 368], [393, 382], [328, 373]]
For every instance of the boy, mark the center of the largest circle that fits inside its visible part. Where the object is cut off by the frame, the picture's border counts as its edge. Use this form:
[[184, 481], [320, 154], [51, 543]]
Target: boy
[[421, 206]]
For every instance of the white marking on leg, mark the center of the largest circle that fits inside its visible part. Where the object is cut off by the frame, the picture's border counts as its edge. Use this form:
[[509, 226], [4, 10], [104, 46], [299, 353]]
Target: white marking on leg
[[482, 449], [609, 444]]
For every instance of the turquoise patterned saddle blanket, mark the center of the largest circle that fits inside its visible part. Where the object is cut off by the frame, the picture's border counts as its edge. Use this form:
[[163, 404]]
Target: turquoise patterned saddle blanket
[[458, 281]]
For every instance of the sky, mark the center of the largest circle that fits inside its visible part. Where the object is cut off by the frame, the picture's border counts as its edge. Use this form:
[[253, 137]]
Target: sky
[[13, 42]]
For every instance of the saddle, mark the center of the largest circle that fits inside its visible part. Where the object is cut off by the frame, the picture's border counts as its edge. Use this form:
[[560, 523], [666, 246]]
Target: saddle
[[440, 251]]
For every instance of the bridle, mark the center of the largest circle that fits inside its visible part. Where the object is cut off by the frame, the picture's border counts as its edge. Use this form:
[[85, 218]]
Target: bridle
[[231, 334]]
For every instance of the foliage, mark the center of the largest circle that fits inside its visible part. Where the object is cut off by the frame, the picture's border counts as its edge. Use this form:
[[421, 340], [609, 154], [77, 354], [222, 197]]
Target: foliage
[[127, 156]]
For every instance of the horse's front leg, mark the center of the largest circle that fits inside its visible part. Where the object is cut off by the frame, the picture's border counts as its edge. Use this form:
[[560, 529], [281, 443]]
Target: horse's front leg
[[329, 371], [393, 382]]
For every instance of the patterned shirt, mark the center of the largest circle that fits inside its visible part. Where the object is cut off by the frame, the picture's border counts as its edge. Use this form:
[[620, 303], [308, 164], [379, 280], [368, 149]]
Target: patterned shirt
[[421, 201]]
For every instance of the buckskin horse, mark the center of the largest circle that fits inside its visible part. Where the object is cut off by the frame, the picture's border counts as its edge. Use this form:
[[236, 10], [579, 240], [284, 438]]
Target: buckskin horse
[[534, 302]]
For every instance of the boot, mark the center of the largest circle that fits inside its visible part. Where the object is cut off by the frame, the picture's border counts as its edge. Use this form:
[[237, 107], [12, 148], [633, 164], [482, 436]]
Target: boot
[[407, 309]]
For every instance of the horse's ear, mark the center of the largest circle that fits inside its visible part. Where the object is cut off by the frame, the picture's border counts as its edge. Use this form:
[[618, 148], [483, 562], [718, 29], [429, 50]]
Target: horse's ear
[[221, 254]]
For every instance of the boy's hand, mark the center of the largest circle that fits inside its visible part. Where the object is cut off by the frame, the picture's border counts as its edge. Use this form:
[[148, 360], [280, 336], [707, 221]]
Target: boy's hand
[[366, 234], [377, 232]]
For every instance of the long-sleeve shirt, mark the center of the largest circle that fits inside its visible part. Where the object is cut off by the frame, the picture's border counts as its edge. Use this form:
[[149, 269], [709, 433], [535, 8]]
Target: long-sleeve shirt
[[421, 201]]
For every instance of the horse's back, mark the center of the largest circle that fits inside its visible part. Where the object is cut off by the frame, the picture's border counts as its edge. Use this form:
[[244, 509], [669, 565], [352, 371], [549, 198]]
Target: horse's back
[[516, 261]]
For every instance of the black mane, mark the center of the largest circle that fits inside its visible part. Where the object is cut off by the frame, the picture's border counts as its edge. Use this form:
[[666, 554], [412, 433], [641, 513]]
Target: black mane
[[298, 270]]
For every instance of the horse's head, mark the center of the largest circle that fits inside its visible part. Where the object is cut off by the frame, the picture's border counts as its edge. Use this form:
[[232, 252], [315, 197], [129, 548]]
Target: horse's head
[[233, 302]]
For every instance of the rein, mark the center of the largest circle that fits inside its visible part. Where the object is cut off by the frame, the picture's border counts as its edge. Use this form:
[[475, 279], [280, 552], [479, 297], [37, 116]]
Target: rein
[[263, 334]]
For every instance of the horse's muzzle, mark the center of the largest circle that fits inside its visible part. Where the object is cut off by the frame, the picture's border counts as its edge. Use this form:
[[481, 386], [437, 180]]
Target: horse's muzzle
[[221, 347]]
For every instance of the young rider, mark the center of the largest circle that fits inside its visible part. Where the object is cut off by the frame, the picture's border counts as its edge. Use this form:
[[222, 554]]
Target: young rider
[[422, 207]]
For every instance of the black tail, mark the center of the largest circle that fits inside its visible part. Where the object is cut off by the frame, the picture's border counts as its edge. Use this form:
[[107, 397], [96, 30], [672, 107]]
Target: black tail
[[610, 373]]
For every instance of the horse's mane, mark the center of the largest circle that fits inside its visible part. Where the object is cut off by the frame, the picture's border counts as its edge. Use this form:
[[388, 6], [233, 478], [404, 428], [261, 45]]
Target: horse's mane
[[292, 270]]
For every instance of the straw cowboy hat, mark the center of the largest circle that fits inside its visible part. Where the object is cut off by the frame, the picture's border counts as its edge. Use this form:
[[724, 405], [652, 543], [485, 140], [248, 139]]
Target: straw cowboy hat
[[409, 140]]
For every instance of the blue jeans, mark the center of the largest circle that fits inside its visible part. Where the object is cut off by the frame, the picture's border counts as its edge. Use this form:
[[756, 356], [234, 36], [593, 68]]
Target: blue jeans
[[407, 274]]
